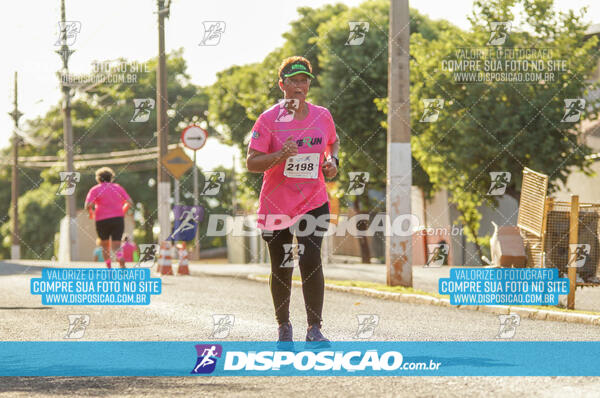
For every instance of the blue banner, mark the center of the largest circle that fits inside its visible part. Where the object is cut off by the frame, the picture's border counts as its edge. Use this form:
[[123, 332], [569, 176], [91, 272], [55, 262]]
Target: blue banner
[[503, 286], [260, 358], [95, 286]]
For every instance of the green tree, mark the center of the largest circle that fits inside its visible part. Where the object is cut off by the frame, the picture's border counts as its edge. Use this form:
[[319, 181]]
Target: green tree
[[40, 211], [500, 126]]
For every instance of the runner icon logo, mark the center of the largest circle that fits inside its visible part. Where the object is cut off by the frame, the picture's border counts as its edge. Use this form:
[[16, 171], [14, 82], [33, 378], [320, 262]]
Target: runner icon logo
[[579, 254], [288, 258], [77, 325], [212, 33], [433, 106], [574, 107], [207, 358], [186, 220], [143, 107], [498, 33], [366, 325], [287, 109], [67, 32], [508, 326], [358, 182], [358, 32], [212, 183], [500, 180], [68, 181], [438, 254], [222, 325], [147, 255]]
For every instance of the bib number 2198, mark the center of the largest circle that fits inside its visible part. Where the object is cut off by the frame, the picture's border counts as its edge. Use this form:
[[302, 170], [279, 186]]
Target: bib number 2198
[[305, 165]]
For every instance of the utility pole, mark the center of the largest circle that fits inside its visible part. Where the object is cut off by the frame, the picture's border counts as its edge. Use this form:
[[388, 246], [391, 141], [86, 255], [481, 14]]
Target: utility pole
[[196, 253], [233, 189], [399, 177], [15, 249], [164, 185], [65, 53], [176, 193]]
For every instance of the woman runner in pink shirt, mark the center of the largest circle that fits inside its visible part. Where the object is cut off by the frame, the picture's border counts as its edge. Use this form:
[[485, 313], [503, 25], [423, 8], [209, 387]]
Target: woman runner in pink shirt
[[107, 199], [295, 145]]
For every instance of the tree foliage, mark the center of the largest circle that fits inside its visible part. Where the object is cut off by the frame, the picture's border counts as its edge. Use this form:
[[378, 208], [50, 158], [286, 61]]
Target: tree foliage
[[40, 211], [500, 126]]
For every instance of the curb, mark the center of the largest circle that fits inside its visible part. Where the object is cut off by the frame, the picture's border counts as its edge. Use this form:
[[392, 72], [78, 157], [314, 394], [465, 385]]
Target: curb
[[411, 298]]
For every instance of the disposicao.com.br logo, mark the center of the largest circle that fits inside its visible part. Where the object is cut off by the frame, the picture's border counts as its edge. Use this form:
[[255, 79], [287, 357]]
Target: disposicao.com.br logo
[[260, 360]]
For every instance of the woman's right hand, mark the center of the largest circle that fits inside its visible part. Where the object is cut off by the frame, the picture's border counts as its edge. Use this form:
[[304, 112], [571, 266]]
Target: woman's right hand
[[290, 148]]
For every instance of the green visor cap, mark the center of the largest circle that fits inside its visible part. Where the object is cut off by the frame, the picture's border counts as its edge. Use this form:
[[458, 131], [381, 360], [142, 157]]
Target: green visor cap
[[295, 69]]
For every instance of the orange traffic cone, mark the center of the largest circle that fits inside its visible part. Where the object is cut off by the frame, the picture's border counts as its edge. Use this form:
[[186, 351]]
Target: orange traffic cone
[[164, 259], [182, 267]]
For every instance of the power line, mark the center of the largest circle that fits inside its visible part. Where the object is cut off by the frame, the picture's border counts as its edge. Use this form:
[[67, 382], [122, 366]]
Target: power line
[[103, 155], [90, 160]]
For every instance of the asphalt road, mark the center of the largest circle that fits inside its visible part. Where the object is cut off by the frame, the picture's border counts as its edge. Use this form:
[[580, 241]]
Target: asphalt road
[[184, 312]]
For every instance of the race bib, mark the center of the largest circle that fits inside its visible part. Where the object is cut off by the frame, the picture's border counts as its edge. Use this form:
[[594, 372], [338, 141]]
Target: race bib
[[305, 165]]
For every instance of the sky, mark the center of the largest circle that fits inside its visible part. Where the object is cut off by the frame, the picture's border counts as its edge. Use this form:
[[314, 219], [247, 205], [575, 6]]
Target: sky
[[128, 28]]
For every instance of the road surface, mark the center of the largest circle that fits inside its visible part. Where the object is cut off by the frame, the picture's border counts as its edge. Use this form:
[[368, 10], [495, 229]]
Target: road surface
[[183, 312]]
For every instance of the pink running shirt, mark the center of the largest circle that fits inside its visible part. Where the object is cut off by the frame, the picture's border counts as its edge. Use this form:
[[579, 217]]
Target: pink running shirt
[[108, 198], [283, 200]]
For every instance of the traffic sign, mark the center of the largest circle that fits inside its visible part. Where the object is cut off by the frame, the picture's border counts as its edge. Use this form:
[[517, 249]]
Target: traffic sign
[[177, 162], [194, 137]]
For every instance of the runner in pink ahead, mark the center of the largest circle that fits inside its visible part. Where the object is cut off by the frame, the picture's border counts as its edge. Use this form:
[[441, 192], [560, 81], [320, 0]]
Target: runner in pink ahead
[[295, 145], [106, 200]]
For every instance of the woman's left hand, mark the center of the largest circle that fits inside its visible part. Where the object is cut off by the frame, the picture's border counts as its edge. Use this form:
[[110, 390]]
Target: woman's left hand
[[329, 169]]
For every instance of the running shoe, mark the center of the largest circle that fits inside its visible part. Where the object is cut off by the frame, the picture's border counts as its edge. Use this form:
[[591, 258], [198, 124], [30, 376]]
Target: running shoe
[[285, 341], [315, 337], [285, 332]]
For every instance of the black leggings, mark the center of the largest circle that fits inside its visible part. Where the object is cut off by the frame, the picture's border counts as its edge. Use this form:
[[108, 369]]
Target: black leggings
[[311, 271]]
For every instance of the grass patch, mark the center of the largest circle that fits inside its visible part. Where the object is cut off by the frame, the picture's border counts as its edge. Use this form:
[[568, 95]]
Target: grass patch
[[372, 285], [381, 287], [555, 308]]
